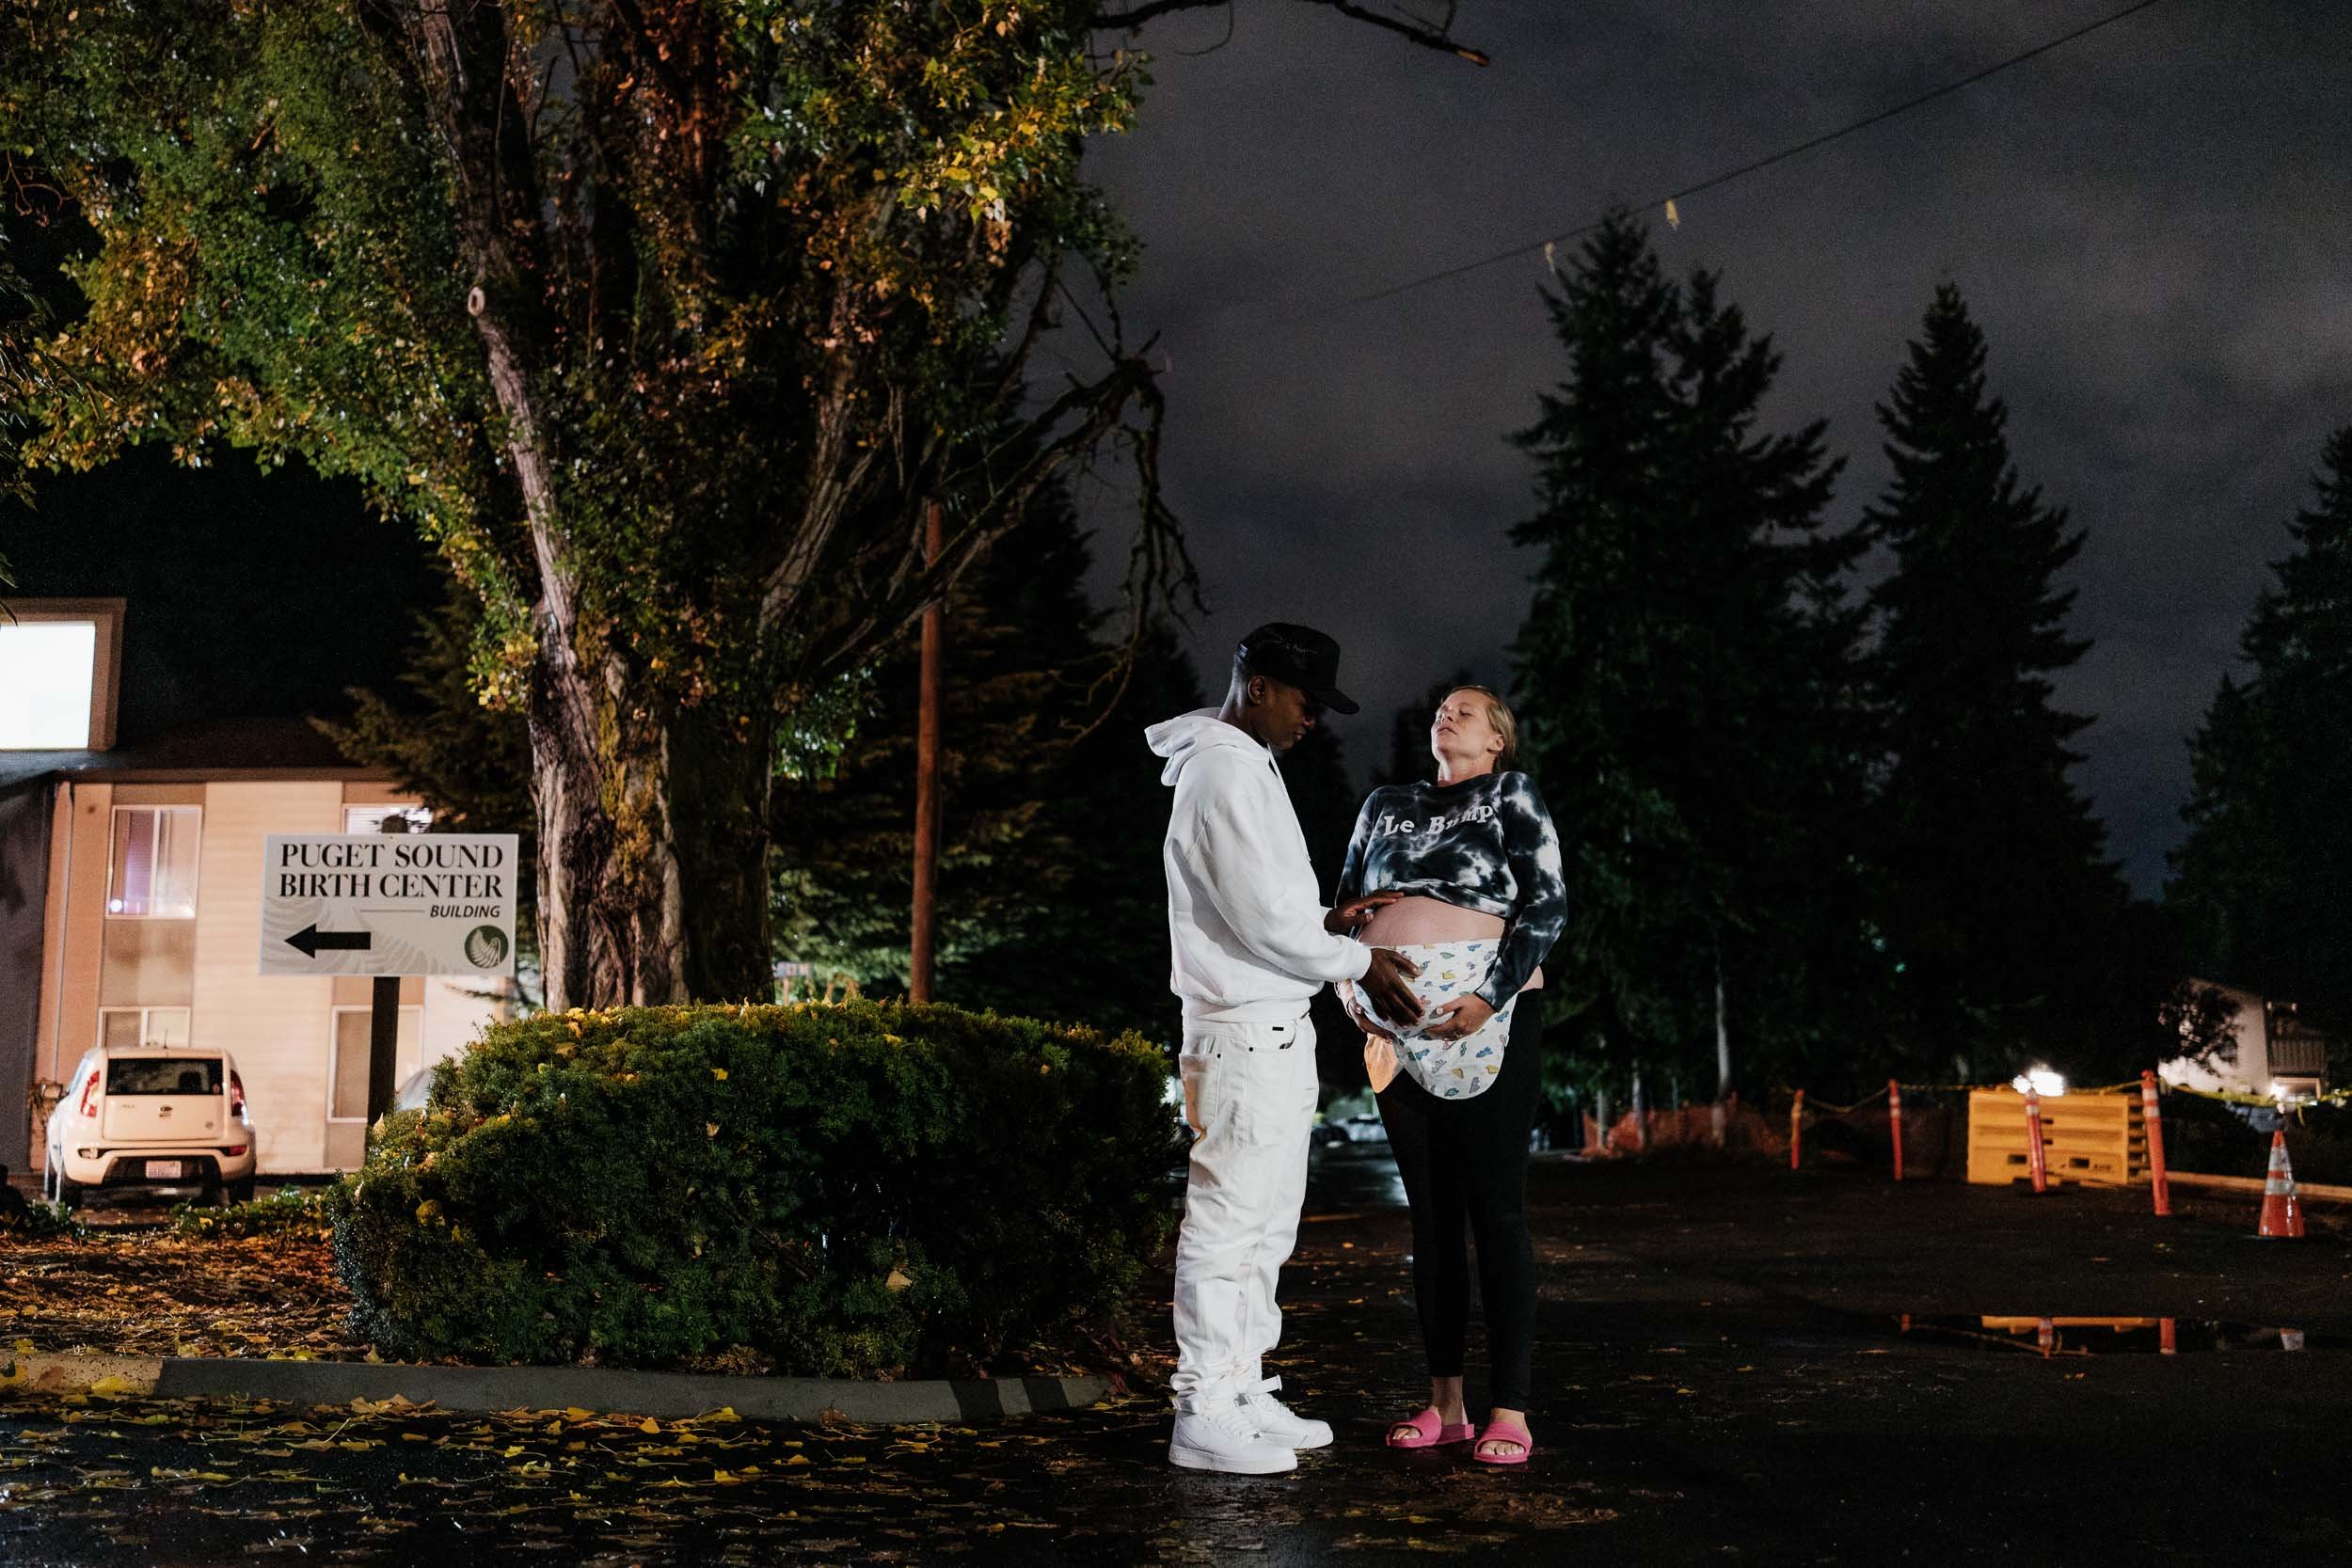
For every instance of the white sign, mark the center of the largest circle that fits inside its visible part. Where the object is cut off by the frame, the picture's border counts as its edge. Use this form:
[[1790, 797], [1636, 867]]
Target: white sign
[[388, 904]]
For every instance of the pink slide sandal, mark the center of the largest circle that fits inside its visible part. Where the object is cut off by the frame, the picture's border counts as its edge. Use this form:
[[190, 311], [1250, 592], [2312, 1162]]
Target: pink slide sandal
[[1428, 1430], [1503, 1431]]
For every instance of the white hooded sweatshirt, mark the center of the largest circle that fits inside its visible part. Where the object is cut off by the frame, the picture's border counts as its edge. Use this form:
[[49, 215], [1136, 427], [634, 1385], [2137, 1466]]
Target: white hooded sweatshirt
[[1244, 919]]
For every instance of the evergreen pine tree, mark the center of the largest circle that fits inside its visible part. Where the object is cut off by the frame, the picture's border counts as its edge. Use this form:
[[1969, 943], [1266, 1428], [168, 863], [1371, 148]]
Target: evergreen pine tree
[[1679, 675], [1776, 776], [470, 764], [1105, 939], [1050, 841], [1582, 661], [1314, 774], [2261, 884], [1408, 734], [1051, 900], [1995, 898]]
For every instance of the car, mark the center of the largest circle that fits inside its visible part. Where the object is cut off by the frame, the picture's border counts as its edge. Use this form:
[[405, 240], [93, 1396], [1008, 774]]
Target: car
[[414, 1089], [152, 1119], [1355, 1130]]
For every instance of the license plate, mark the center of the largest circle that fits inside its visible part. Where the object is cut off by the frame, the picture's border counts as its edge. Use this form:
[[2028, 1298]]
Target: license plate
[[165, 1170]]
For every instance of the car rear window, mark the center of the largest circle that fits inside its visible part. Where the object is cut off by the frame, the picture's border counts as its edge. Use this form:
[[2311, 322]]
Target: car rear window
[[164, 1075]]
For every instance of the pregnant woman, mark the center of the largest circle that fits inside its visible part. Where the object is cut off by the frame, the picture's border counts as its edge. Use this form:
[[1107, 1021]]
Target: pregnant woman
[[1473, 866]]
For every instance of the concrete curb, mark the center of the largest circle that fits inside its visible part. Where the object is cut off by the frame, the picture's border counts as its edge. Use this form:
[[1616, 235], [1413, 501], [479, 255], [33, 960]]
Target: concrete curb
[[604, 1389]]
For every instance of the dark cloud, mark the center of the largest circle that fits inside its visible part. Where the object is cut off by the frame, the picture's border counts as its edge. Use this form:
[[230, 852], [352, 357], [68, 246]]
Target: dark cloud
[[2147, 223]]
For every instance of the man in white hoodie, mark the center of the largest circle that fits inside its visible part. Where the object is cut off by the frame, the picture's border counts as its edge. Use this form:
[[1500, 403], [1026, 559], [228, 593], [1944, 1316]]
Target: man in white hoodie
[[1252, 944]]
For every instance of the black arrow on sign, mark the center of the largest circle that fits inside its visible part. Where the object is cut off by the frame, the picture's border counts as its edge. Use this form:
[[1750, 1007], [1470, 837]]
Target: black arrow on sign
[[310, 940]]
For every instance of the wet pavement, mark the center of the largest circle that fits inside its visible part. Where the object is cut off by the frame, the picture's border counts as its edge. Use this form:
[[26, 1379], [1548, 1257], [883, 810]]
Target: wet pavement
[[1725, 1373]]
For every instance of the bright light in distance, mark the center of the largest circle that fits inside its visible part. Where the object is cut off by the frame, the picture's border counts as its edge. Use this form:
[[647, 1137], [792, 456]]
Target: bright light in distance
[[2040, 1081]]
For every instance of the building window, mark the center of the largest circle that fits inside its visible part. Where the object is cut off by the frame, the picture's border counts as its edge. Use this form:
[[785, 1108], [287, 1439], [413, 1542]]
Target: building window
[[153, 875], [136, 1026], [46, 671], [370, 820], [347, 1070]]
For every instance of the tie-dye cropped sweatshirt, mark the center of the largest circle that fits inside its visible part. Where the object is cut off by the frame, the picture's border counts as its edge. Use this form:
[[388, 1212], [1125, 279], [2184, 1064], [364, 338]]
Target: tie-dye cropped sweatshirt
[[1483, 844]]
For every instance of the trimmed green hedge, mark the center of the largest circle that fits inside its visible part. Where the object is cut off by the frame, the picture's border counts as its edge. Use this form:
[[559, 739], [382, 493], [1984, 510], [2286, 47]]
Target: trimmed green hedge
[[851, 1189]]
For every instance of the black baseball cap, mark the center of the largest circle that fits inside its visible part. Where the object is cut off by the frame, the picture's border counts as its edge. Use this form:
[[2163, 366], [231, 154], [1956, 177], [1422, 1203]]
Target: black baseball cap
[[1300, 657]]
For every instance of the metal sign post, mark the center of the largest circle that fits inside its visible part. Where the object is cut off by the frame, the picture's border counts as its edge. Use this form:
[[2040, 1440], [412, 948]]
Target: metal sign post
[[383, 1043], [383, 1019]]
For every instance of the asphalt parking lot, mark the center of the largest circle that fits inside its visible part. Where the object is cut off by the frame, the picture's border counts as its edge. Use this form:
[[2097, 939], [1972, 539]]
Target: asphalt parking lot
[[1736, 1363]]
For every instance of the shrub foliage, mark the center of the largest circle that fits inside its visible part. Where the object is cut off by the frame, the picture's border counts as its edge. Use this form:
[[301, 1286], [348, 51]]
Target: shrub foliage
[[38, 1220], [849, 1188], [301, 1212]]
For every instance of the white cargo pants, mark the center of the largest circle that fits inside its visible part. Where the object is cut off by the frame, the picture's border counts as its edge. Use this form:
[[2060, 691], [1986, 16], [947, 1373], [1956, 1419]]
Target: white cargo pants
[[1249, 1097]]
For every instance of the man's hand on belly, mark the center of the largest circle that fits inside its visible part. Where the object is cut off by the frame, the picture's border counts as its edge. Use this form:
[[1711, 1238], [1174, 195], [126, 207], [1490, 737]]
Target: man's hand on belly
[[1385, 986], [1343, 920]]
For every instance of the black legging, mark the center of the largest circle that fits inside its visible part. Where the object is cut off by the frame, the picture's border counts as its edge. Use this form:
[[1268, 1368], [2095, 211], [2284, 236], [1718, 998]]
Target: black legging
[[1466, 1159]]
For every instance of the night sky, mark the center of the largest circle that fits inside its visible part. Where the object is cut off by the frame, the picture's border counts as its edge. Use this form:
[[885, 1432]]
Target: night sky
[[2150, 225]]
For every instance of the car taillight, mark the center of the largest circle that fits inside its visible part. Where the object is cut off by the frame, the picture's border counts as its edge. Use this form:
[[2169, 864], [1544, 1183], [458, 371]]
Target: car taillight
[[232, 1150], [236, 1096], [89, 1088]]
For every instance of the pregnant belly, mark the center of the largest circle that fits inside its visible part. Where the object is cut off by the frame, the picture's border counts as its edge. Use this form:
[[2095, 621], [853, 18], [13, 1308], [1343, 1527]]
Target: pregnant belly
[[1418, 920], [1415, 920]]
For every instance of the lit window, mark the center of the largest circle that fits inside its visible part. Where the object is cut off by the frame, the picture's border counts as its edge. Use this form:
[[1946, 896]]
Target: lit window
[[46, 668], [153, 871]]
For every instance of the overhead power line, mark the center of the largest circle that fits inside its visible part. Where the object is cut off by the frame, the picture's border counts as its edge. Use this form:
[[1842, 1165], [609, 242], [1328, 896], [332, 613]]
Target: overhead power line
[[1714, 181]]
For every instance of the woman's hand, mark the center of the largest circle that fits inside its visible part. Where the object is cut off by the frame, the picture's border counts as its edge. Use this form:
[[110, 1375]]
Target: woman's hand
[[1462, 1016], [1340, 922]]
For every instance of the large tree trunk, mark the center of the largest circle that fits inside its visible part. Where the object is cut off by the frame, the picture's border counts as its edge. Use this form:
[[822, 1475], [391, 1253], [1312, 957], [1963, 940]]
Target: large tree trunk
[[652, 815], [653, 846], [653, 858]]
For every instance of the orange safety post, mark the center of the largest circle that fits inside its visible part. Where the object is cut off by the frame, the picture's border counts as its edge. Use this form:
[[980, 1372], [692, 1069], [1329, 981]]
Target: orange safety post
[[2045, 1334], [1796, 1129], [2168, 1336], [1895, 1122], [2037, 1160], [2151, 1118]]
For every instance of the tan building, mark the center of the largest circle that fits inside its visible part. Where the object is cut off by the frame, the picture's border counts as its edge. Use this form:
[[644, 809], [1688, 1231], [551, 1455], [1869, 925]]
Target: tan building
[[130, 900], [2270, 1050]]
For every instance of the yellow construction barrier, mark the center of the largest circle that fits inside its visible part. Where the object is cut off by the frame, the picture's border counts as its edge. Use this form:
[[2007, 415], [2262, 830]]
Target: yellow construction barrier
[[2085, 1136]]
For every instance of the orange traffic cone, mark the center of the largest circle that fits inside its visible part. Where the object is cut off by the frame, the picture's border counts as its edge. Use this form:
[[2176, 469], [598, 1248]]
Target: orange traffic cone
[[2282, 1217]]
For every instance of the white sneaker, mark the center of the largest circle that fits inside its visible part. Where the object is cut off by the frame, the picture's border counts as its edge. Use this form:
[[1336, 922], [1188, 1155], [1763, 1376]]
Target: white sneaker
[[1278, 1422], [1226, 1439]]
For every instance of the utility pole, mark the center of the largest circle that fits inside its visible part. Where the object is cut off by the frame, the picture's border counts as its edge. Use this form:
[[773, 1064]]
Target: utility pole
[[1723, 1053], [920, 948], [1600, 1095]]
